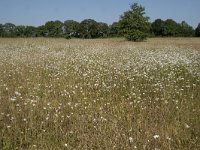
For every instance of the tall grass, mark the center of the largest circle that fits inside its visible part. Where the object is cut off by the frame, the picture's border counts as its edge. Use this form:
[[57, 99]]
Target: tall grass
[[99, 94]]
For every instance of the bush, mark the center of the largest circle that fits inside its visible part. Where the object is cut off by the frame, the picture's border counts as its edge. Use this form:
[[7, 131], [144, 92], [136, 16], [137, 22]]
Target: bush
[[136, 35]]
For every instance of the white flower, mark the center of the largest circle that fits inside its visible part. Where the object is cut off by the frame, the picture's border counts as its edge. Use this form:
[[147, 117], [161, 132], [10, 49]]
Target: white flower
[[13, 98], [156, 136], [130, 139], [17, 93], [66, 145], [168, 138], [187, 126]]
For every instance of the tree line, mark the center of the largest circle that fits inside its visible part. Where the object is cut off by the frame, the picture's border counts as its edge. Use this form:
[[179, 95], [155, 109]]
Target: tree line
[[133, 25]]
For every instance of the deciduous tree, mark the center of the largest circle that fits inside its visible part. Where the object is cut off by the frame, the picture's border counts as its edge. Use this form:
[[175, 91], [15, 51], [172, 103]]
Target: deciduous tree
[[197, 30], [70, 28], [133, 24], [157, 27], [88, 29]]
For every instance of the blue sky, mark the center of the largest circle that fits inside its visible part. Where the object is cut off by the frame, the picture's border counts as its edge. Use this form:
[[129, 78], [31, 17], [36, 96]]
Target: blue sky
[[37, 12]]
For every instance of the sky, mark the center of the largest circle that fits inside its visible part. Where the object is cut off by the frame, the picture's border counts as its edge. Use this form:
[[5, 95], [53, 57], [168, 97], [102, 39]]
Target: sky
[[37, 12]]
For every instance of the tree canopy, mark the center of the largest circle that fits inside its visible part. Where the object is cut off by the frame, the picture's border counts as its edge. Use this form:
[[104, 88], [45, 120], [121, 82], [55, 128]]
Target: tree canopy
[[171, 28], [70, 28], [88, 29], [197, 31], [133, 25]]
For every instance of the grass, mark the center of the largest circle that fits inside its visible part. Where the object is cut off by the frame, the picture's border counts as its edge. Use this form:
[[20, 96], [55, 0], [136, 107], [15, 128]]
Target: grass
[[99, 94]]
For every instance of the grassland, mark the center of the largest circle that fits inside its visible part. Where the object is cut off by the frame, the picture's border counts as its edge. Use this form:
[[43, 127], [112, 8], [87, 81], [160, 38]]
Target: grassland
[[99, 94]]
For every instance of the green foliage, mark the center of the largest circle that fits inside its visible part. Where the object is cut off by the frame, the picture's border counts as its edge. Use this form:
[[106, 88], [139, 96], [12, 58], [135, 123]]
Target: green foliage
[[9, 30], [30, 31], [20, 31], [114, 30], [133, 24], [54, 28], [70, 28], [186, 30], [1, 30], [136, 35], [157, 27], [88, 29], [197, 31], [103, 30], [41, 31], [170, 28]]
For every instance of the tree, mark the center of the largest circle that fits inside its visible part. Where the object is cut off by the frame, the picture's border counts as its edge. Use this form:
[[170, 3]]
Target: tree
[[157, 27], [41, 31], [70, 28], [133, 24], [88, 29], [170, 28], [114, 30], [1, 30], [30, 31], [102, 29], [9, 30], [197, 31], [20, 30], [54, 28], [186, 30]]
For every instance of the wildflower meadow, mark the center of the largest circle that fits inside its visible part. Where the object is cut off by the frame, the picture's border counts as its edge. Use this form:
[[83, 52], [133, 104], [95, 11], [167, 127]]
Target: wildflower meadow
[[99, 94]]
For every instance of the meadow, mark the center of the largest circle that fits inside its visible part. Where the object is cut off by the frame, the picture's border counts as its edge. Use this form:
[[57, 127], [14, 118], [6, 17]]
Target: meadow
[[99, 94]]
